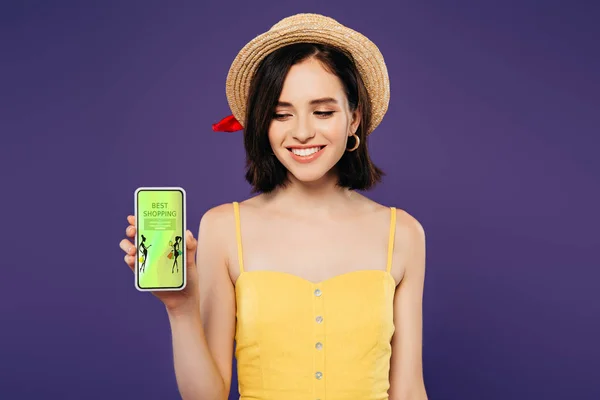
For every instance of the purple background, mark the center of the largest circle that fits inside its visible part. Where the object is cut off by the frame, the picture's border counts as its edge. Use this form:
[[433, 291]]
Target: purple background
[[491, 141]]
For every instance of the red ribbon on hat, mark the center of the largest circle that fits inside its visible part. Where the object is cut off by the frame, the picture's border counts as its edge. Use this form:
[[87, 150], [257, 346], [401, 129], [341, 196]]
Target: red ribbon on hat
[[227, 124]]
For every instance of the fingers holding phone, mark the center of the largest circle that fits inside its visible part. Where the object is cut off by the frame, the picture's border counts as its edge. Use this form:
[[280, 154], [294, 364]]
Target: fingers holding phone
[[126, 245]]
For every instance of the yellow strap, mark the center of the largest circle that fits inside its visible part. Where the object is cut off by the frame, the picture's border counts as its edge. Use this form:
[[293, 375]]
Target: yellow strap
[[391, 240], [238, 233]]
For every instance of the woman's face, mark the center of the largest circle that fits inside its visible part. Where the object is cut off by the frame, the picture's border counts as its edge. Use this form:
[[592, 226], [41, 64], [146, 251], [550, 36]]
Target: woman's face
[[312, 122]]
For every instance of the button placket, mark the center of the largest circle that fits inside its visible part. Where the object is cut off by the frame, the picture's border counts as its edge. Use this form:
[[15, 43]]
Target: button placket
[[318, 343]]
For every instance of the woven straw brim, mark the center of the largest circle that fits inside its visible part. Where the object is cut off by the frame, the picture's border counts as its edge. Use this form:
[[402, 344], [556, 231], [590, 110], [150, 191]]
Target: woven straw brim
[[367, 57]]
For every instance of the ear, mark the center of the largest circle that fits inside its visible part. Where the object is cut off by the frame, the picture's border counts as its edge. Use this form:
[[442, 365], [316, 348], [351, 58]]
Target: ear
[[356, 118]]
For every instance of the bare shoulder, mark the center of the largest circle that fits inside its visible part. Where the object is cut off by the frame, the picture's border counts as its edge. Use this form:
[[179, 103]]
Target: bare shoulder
[[217, 219], [409, 245], [216, 230], [218, 233], [409, 240], [408, 226]]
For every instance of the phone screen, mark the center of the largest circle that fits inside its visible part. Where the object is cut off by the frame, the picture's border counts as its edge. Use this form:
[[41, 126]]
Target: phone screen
[[160, 228]]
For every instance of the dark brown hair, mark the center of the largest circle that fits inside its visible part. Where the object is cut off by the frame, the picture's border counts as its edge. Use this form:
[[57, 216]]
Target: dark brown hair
[[263, 170]]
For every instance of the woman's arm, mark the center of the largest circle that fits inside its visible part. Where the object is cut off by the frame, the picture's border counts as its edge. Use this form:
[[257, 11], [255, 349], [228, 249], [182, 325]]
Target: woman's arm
[[203, 337], [406, 372]]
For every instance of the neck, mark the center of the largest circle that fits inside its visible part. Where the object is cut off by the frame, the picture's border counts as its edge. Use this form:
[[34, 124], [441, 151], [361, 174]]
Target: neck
[[318, 197]]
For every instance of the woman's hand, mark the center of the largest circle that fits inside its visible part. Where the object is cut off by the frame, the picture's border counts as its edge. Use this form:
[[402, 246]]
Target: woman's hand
[[176, 302]]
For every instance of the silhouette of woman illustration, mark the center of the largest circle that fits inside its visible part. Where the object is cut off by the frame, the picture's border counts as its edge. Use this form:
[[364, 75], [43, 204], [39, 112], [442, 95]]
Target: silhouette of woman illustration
[[142, 247], [175, 252]]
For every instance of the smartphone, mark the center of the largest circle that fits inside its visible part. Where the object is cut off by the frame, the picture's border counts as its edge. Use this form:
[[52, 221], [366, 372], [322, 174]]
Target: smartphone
[[160, 260]]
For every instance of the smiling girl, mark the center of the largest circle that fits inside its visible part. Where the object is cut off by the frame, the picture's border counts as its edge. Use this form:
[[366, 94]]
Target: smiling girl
[[319, 287]]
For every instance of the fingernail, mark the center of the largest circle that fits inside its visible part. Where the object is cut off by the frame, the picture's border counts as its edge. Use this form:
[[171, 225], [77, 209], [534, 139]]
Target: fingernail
[[130, 250]]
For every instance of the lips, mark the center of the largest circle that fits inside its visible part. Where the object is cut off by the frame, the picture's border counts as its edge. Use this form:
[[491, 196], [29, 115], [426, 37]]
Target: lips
[[307, 151], [306, 154]]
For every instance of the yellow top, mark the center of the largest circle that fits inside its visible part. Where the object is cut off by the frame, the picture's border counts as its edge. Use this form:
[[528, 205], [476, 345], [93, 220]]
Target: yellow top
[[329, 340]]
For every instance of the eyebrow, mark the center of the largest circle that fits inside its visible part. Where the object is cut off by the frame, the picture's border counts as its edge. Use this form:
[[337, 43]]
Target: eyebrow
[[324, 100]]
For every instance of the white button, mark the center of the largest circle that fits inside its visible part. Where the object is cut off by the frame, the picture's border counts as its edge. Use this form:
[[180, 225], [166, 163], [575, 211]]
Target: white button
[[319, 375], [318, 292], [319, 345], [319, 319]]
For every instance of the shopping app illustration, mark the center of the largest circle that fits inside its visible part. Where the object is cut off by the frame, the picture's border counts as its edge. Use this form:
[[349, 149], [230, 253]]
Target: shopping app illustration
[[160, 244]]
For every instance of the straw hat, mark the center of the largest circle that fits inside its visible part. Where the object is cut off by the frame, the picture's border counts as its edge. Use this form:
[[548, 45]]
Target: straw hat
[[313, 28]]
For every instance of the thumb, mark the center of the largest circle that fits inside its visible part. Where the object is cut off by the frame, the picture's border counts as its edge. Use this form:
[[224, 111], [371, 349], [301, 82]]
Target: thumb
[[190, 243]]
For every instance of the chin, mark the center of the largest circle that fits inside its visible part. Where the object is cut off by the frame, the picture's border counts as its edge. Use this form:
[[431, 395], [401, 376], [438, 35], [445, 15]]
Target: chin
[[308, 170], [309, 176]]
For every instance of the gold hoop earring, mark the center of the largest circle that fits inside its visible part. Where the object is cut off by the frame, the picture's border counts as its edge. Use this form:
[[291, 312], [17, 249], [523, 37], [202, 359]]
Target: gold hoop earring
[[356, 144]]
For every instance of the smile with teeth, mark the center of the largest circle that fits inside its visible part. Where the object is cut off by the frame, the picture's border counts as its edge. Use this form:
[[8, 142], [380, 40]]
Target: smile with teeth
[[305, 152]]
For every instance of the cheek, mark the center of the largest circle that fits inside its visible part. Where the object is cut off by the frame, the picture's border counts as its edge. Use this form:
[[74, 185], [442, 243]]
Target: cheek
[[276, 136], [336, 134], [336, 128]]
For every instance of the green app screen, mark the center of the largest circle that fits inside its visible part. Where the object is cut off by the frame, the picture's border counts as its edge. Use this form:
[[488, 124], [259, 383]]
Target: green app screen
[[160, 255]]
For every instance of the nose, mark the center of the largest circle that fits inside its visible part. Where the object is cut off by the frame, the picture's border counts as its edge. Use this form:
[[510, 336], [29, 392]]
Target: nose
[[304, 130]]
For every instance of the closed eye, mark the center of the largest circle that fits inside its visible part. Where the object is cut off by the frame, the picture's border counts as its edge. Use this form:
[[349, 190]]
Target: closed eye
[[324, 114]]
